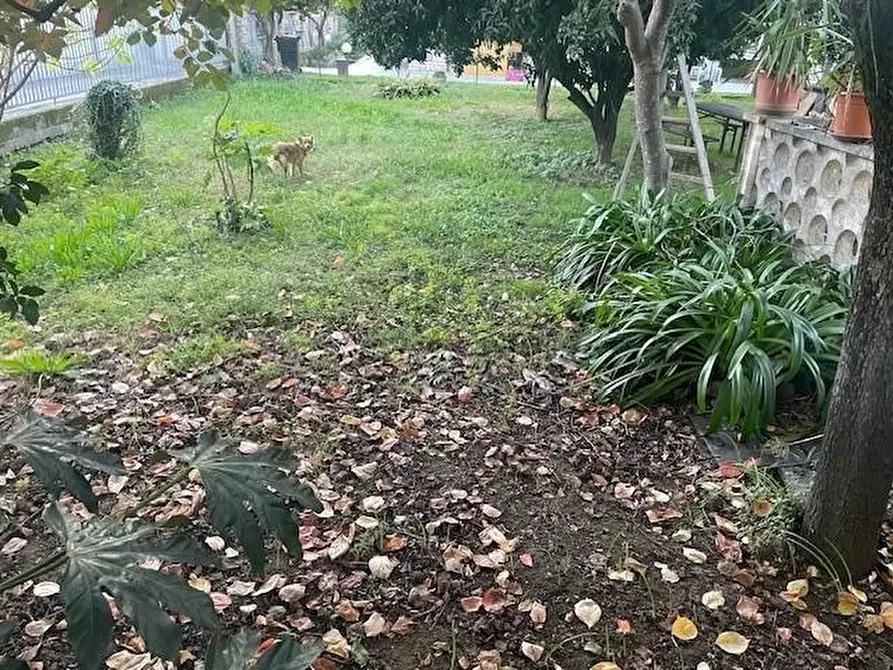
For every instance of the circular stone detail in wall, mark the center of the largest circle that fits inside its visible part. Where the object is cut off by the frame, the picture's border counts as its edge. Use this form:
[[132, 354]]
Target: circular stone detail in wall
[[840, 214], [805, 170], [846, 250], [792, 216], [782, 157], [766, 179], [861, 189], [771, 204], [817, 233], [831, 177], [810, 200], [787, 187]]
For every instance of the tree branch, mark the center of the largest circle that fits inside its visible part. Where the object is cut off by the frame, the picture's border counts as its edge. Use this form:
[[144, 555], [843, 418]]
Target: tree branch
[[659, 21], [40, 15], [629, 15]]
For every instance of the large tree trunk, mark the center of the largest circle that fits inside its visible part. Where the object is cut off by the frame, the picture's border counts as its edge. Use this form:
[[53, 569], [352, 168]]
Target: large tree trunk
[[602, 112], [648, 48], [855, 468], [543, 88]]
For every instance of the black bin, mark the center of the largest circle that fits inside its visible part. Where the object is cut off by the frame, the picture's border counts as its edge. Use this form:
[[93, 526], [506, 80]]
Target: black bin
[[288, 51]]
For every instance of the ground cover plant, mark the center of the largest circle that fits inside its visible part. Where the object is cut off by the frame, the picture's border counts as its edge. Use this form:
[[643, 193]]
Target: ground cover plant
[[396, 329], [705, 296]]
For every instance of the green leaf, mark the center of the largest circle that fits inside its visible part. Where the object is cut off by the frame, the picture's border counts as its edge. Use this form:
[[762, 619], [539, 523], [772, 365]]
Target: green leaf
[[50, 447], [238, 653], [249, 493], [104, 556]]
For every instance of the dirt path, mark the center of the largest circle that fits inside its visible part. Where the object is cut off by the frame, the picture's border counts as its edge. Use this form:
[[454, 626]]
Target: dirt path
[[501, 493]]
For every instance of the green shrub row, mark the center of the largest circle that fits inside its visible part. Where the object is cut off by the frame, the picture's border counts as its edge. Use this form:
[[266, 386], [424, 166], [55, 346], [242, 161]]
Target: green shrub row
[[408, 88], [706, 297]]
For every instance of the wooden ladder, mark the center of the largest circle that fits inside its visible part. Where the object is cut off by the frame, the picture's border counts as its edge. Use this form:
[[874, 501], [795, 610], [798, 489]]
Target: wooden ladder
[[699, 149]]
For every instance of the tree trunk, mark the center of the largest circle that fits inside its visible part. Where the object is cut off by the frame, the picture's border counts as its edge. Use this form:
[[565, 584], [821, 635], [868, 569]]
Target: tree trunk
[[855, 467], [270, 28], [602, 112], [648, 48], [543, 88], [649, 98]]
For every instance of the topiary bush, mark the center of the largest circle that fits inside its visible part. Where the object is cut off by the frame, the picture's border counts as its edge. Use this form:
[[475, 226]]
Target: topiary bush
[[113, 119], [705, 297]]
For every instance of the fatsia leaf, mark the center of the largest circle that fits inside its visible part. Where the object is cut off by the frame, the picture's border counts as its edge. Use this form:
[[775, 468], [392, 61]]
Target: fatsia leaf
[[103, 555], [247, 493], [51, 447], [239, 653], [7, 628]]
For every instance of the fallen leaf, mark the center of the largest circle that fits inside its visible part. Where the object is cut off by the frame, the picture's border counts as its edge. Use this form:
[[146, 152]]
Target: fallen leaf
[[199, 584], [847, 603], [713, 600], [588, 612], [14, 545], [538, 613], [684, 629], [465, 395], [526, 560], [471, 604], [336, 644], [887, 614], [660, 514], [605, 665], [622, 575], [762, 508], [532, 651], [381, 567], [634, 416], [367, 522], [874, 623], [341, 545], [732, 643], [126, 660], [682, 535], [346, 611], [490, 511], [623, 491], [730, 549], [822, 633], [726, 526], [749, 609], [221, 601], [668, 575], [693, 555], [39, 627], [116, 483], [784, 634], [859, 593], [273, 582], [372, 504], [374, 625], [215, 542], [402, 625], [292, 593], [494, 600], [239, 588], [46, 589]]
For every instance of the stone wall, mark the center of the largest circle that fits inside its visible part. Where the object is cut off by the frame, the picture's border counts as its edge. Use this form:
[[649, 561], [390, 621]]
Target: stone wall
[[23, 130], [820, 187]]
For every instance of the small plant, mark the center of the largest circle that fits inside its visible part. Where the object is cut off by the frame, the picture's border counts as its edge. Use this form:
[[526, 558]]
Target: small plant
[[703, 297], [563, 166], [246, 495], [408, 88], [229, 142], [113, 119], [39, 362]]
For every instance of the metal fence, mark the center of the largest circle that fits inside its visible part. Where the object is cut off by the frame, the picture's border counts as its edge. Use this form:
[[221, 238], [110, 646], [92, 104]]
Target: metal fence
[[88, 59]]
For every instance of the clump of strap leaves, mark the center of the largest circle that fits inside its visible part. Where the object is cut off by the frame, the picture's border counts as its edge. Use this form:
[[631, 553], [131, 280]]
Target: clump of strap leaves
[[247, 497], [111, 110]]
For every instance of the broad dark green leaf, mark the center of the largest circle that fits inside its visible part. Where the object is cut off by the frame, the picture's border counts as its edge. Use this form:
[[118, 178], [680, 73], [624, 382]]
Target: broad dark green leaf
[[104, 556], [249, 493], [51, 447], [239, 653]]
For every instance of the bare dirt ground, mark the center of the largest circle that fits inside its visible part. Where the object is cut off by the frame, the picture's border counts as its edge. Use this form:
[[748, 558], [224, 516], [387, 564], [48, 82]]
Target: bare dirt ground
[[524, 525]]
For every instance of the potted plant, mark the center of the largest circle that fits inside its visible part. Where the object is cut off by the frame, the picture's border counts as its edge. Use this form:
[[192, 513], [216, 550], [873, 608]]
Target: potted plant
[[786, 30], [851, 120]]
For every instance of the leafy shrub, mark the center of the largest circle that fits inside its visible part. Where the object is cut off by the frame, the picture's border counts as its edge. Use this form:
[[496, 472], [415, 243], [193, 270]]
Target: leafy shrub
[[563, 166], [113, 118], [408, 88], [706, 297], [246, 495], [38, 362], [249, 63]]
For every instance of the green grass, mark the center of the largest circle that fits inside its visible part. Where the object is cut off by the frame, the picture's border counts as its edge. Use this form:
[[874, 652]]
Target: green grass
[[38, 362], [420, 223]]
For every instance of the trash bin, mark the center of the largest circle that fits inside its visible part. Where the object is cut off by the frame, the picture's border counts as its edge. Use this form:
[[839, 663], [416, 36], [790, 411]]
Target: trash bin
[[288, 51], [342, 64]]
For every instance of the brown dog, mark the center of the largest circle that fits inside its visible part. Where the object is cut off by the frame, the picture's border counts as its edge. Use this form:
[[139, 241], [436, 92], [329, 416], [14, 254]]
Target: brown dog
[[288, 155]]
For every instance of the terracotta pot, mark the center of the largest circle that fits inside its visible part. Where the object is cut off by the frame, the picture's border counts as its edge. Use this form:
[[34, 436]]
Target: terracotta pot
[[776, 97], [851, 120]]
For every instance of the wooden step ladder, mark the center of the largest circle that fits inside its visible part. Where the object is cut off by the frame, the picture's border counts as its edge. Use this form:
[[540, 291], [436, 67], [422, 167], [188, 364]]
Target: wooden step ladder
[[699, 149]]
